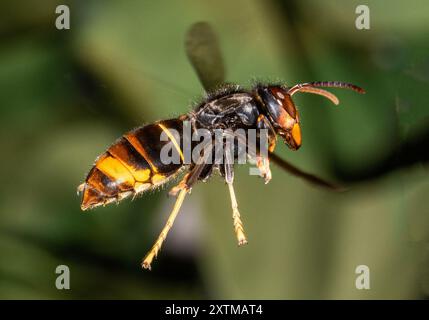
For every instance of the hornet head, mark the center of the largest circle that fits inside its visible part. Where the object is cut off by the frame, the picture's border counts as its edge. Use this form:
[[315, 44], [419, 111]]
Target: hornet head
[[282, 112]]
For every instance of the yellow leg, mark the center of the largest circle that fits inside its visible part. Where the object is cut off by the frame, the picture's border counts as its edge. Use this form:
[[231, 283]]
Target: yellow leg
[[262, 161], [182, 185], [238, 224], [157, 246], [263, 165]]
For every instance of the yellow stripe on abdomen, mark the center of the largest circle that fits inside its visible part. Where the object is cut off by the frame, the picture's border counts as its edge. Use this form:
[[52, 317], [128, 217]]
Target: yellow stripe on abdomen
[[115, 170], [124, 151], [173, 140]]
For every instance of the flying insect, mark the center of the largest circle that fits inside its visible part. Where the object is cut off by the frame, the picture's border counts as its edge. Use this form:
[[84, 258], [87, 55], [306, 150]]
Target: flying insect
[[134, 164]]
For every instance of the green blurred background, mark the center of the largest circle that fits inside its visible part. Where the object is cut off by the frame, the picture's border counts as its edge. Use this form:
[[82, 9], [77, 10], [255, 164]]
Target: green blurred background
[[66, 95]]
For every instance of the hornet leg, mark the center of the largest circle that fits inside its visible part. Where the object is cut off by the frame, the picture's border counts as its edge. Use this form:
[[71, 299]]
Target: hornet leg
[[157, 246], [238, 224], [262, 161], [181, 190], [229, 178]]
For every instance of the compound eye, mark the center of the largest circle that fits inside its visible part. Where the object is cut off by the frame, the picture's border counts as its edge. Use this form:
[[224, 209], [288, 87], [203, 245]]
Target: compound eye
[[284, 100]]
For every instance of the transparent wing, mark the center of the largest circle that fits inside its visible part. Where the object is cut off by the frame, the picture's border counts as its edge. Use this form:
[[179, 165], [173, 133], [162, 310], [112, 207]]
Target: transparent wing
[[203, 51]]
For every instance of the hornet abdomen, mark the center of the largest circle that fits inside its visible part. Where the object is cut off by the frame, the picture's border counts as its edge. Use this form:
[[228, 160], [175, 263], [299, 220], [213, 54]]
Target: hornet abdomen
[[132, 164]]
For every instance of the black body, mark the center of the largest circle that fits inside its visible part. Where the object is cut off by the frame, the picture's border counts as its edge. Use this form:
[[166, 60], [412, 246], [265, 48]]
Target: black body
[[229, 108]]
